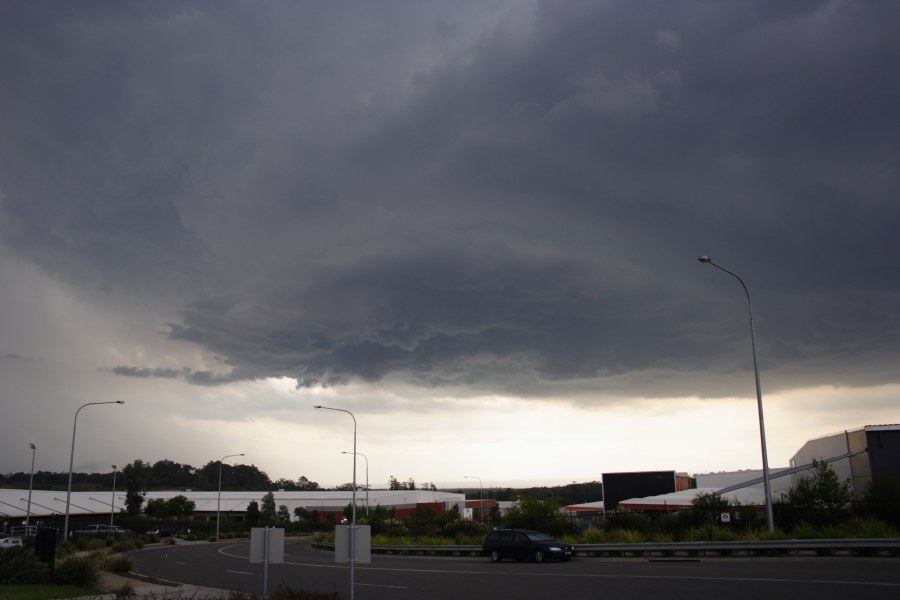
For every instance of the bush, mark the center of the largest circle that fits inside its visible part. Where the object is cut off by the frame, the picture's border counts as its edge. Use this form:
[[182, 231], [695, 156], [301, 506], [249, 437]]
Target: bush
[[593, 535], [80, 571], [22, 566], [128, 545], [283, 592], [118, 564], [625, 536], [869, 527], [126, 590]]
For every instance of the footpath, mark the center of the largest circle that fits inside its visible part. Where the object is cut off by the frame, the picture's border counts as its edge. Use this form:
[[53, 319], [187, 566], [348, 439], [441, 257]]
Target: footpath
[[146, 588]]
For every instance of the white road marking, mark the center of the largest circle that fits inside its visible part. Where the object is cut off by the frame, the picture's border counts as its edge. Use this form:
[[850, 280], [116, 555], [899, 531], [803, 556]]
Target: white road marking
[[598, 575]]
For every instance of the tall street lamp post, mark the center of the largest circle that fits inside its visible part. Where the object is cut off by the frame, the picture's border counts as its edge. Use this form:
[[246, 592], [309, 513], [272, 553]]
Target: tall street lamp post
[[30, 485], [72, 461], [353, 510], [112, 505], [480, 496], [219, 497], [367, 478], [762, 428]]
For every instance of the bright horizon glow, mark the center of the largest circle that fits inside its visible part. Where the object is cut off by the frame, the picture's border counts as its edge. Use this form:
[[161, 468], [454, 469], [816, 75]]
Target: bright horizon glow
[[532, 442]]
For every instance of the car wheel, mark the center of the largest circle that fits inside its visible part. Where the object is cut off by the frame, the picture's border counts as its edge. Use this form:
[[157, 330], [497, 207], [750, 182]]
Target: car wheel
[[539, 556], [495, 556]]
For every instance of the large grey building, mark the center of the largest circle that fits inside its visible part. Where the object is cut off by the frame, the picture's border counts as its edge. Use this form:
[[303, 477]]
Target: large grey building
[[860, 455]]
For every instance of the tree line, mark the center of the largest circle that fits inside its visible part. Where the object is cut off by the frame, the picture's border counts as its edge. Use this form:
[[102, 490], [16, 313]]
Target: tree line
[[162, 475]]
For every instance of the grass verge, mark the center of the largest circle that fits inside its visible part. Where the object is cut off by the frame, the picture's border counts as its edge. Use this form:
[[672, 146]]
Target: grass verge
[[39, 591]]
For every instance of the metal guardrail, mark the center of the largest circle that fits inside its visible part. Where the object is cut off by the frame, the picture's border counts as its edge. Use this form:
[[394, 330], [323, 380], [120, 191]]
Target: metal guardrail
[[650, 549]]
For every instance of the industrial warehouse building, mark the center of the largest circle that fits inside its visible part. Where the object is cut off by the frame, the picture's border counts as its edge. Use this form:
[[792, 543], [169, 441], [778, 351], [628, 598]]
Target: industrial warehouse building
[[859, 455], [88, 506]]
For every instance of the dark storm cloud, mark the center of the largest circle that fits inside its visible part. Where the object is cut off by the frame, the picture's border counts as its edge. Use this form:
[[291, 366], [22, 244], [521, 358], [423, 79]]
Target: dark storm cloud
[[323, 195]]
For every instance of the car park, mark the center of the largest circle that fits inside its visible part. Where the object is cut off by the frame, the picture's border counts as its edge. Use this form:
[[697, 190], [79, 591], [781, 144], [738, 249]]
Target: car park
[[100, 530], [522, 544], [10, 542], [162, 531]]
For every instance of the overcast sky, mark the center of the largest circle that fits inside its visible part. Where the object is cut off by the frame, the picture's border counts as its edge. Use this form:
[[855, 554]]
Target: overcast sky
[[473, 224]]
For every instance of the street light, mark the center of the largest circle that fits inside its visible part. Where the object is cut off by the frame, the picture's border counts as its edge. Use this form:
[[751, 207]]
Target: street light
[[30, 484], [219, 498], [72, 461], [480, 496], [353, 510], [112, 505], [762, 428], [367, 477]]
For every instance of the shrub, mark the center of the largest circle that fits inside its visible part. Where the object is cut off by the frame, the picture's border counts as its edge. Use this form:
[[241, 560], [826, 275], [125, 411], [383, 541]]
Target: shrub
[[127, 545], [762, 534], [22, 566], [593, 535], [625, 536], [118, 564], [869, 527], [283, 592], [80, 571], [126, 590], [806, 531]]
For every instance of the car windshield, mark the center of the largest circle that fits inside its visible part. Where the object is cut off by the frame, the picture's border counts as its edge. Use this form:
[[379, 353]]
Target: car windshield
[[534, 536]]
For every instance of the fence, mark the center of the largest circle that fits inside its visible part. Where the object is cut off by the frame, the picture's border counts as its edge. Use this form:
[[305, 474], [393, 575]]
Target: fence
[[785, 548]]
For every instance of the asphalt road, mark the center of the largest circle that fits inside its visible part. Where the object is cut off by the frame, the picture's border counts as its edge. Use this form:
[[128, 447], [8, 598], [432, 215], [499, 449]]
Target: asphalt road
[[226, 566]]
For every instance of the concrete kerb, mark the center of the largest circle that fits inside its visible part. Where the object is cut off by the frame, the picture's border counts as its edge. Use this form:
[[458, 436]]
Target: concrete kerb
[[154, 589], [145, 587]]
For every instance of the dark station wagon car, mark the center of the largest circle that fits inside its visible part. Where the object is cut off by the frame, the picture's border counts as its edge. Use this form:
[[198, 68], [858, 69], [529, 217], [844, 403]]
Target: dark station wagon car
[[524, 543]]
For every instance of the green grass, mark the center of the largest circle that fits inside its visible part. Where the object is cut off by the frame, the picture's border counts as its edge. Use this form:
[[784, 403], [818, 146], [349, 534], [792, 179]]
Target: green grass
[[43, 592]]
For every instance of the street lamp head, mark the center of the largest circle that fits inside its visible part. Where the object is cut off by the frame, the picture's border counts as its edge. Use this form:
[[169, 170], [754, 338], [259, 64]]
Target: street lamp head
[[317, 406], [32, 446], [120, 402], [114, 467], [704, 259]]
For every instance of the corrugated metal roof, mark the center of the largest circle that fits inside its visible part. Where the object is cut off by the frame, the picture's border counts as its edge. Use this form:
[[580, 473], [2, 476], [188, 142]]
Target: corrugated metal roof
[[14, 503]]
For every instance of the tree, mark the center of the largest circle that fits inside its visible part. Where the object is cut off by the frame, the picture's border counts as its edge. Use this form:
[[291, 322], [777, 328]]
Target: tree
[[156, 508], [135, 482], [882, 500], [305, 485], [393, 484], [821, 496], [267, 510], [253, 515], [708, 508], [535, 513], [176, 507], [283, 516], [821, 489], [180, 506]]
